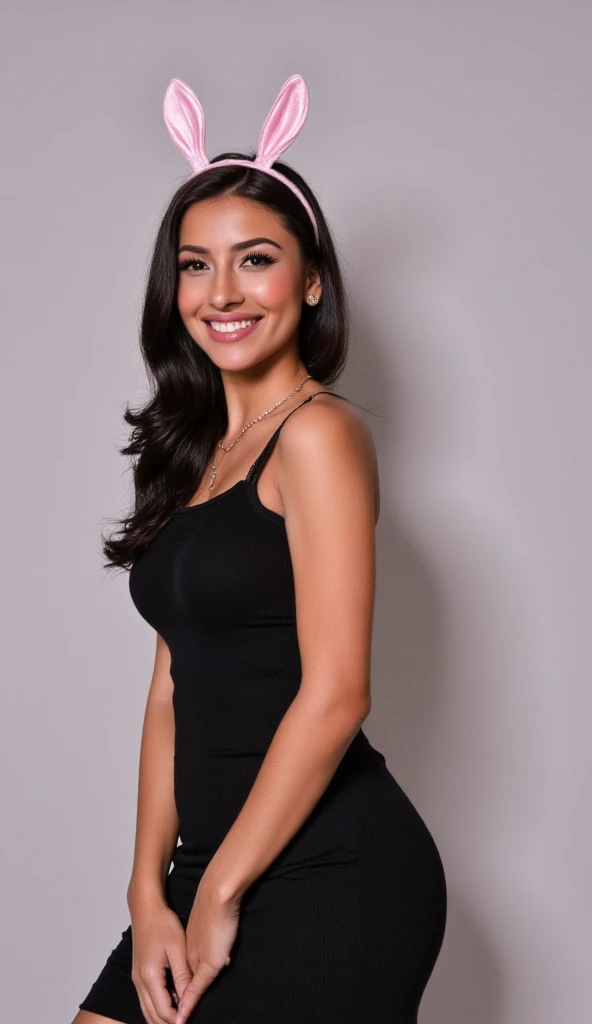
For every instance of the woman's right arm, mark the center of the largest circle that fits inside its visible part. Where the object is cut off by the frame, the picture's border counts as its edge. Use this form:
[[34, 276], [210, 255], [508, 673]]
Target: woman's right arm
[[158, 935], [157, 824]]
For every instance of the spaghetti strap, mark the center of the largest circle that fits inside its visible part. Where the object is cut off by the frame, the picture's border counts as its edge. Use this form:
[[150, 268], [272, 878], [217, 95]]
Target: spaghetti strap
[[262, 458]]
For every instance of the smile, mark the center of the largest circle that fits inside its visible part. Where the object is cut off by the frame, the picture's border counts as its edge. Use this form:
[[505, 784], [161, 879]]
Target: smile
[[231, 330], [230, 326]]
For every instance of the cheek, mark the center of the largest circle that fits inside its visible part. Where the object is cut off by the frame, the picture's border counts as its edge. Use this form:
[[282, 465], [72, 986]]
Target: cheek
[[189, 296], [275, 290]]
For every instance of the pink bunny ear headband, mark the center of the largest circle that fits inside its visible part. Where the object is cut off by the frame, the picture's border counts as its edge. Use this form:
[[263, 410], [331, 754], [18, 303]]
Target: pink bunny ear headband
[[185, 121]]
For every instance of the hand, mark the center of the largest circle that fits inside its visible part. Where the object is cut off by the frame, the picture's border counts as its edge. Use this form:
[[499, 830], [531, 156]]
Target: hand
[[158, 940], [210, 934]]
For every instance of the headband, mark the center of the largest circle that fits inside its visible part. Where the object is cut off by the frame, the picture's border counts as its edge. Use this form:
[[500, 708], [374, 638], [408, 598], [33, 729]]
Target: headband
[[185, 122]]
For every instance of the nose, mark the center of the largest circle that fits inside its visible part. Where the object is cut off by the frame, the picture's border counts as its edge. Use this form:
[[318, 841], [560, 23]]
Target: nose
[[225, 289]]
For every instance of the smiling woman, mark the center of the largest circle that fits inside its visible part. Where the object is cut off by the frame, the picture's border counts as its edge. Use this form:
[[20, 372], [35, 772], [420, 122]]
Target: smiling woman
[[253, 288], [223, 323], [226, 323], [234, 245], [306, 887]]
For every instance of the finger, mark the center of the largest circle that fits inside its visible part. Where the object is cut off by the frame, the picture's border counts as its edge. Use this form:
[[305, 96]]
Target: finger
[[144, 999], [147, 1008], [151, 986], [181, 971], [155, 982], [203, 977], [165, 1011]]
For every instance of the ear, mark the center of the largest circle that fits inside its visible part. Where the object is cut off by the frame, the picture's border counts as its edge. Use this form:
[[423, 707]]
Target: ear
[[284, 121], [185, 121], [313, 281]]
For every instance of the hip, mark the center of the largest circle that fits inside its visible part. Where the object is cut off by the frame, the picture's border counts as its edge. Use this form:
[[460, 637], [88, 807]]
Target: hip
[[364, 820]]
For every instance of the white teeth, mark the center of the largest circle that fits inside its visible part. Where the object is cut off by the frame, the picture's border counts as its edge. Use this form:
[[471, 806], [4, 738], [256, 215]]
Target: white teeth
[[234, 325]]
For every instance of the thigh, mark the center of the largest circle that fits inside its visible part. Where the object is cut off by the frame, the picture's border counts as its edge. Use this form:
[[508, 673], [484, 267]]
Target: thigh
[[299, 956], [113, 995], [318, 943]]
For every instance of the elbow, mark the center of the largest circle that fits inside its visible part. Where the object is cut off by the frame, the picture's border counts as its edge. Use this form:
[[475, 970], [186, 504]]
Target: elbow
[[356, 701], [351, 709], [363, 710], [352, 714]]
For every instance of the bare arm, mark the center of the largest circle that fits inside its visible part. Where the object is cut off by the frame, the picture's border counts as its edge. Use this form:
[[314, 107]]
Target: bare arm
[[328, 484], [157, 824]]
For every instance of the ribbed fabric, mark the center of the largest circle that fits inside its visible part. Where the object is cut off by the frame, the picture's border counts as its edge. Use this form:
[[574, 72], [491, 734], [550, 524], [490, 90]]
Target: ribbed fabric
[[346, 924]]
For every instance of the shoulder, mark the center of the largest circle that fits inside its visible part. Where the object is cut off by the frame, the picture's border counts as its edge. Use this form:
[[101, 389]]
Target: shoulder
[[325, 425], [327, 446]]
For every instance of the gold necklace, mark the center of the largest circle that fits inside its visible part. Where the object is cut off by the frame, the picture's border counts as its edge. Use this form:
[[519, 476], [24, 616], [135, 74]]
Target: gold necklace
[[256, 420]]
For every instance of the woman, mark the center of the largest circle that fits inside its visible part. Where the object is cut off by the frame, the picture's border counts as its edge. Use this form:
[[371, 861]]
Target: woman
[[306, 887]]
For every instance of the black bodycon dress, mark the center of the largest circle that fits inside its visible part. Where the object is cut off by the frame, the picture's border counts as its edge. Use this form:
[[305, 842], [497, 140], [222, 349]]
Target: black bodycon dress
[[346, 924]]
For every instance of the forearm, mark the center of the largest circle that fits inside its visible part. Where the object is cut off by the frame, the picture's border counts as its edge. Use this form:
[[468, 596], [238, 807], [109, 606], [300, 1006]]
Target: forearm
[[157, 824], [303, 756]]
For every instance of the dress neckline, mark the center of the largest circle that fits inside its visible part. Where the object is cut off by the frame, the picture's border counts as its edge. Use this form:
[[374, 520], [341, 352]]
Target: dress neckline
[[251, 476], [215, 497]]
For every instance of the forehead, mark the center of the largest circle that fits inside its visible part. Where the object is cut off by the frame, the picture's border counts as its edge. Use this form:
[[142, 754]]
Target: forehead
[[227, 219]]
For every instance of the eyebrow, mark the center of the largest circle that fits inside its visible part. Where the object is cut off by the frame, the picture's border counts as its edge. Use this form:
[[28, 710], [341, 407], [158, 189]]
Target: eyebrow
[[237, 247]]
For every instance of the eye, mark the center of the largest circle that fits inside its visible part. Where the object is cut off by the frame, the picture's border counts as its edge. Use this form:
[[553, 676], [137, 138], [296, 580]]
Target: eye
[[186, 264], [263, 256], [260, 258]]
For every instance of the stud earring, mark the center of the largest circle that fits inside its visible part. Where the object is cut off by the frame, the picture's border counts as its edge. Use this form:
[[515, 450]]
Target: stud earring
[[312, 299]]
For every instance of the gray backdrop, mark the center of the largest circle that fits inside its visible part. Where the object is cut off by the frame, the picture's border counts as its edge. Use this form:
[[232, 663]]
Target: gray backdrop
[[449, 143]]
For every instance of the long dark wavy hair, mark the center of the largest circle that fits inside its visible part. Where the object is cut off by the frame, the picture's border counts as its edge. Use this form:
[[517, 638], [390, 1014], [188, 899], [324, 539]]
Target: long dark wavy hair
[[175, 433]]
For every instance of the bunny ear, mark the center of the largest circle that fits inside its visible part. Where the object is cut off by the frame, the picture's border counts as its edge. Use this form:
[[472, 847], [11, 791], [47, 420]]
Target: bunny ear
[[284, 121], [185, 121]]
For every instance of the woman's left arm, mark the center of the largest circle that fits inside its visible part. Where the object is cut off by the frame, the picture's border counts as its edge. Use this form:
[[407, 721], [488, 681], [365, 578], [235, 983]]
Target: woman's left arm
[[328, 482]]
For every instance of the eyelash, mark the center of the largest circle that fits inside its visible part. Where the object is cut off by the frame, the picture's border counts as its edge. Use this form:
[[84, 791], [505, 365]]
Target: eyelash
[[267, 260]]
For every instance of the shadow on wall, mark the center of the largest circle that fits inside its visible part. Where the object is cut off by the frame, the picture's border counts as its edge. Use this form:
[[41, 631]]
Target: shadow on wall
[[444, 598]]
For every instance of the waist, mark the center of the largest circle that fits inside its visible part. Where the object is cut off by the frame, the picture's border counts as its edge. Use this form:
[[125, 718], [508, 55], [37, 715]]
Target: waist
[[211, 793]]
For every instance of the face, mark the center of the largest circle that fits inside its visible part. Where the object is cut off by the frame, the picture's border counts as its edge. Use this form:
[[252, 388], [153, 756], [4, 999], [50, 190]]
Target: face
[[237, 263]]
